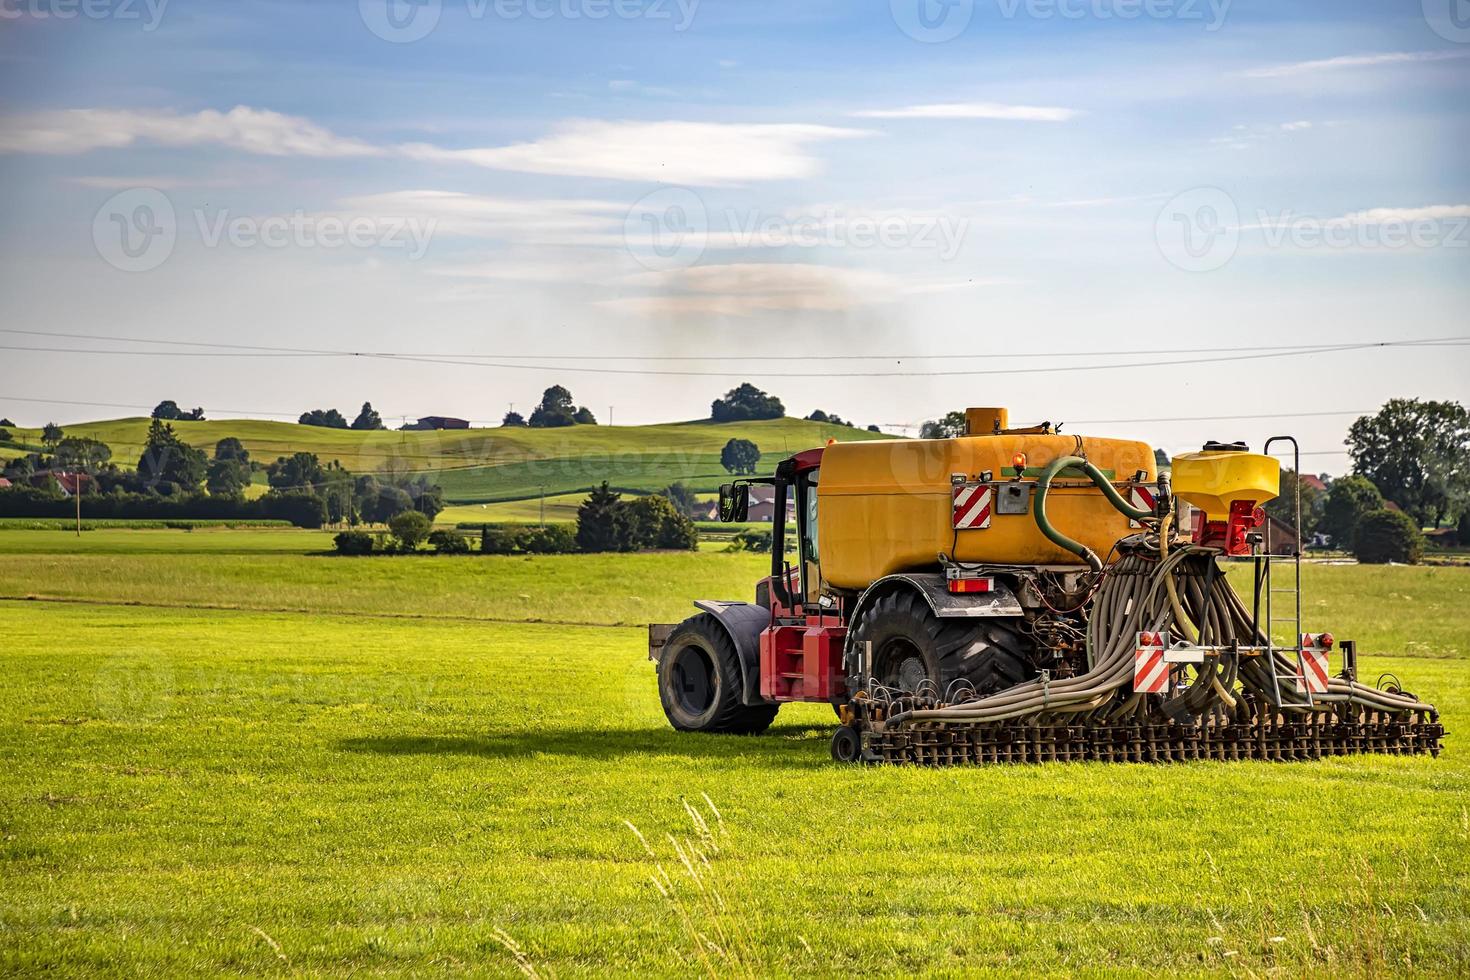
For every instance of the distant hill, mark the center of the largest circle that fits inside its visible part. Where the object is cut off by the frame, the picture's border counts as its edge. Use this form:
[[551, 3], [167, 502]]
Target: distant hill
[[489, 465]]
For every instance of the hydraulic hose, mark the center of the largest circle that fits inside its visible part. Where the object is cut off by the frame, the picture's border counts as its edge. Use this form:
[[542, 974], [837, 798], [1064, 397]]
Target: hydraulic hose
[[1096, 476]]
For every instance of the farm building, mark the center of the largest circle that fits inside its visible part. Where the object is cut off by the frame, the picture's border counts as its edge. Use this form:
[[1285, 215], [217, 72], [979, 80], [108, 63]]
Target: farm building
[[432, 422]]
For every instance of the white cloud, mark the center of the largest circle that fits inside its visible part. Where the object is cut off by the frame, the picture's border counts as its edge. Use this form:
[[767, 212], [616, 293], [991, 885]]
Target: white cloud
[[562, 221], [260, 131], [1293, 127], [972, 110], [672, 152], [675, 152], [1352, 61], [1380, 216]]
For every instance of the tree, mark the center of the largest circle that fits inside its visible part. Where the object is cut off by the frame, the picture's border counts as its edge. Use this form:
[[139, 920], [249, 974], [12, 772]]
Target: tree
[[410, 528], [51, 435], [225, 478], [746, 403], [874, 428], [368, 419], [1417, 454], [513, 420], [168, 410], [7, 423], [1283, 508], [1462, 530], [1348, 499], [299, 471], [81, 453], [556, 410], [326, 418], [951, 426], [682, 498], [168, 460], [232, 449], [740, 456], [820, 416], [584, 416], [654, 522], [4, 434], [1385, 536], [601, 522]]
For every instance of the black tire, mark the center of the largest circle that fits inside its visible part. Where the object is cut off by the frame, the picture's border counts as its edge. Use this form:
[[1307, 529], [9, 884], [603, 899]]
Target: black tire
[[699, 682], [846, 746], [911, 645]]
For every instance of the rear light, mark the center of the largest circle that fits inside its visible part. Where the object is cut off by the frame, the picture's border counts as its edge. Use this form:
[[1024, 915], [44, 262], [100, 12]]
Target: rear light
[[963, 586]]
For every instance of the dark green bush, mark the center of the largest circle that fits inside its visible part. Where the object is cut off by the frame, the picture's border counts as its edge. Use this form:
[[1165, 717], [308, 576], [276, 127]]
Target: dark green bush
[[500, 540], [410, 529], [1462, 531], [1385, 536], [354, 543], [449, 543], [553, 539], [752, 540]]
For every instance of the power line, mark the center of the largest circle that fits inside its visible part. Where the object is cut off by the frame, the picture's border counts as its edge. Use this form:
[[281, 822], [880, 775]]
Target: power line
[[1114, 352], [1254, 354]]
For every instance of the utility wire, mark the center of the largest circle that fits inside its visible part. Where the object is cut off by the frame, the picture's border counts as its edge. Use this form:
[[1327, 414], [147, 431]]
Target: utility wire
[[1252, 355], [1431, 341]]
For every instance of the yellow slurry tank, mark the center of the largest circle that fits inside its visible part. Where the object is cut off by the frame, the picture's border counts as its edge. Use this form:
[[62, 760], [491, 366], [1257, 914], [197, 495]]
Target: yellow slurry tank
[[888, 507]]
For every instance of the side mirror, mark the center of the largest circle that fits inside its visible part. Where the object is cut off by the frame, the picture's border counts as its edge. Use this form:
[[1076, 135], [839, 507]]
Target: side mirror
[[734, 502]]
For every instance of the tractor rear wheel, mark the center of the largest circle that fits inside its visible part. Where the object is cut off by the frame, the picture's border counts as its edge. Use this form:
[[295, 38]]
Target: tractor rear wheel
[[700, 685], [912, 645]]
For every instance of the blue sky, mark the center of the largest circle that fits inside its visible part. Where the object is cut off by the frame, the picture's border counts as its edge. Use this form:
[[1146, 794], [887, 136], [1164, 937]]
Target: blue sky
[[791, 183]]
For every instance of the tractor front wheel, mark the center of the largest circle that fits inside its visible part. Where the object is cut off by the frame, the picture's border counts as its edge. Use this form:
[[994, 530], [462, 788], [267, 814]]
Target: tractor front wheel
[[699, 682]]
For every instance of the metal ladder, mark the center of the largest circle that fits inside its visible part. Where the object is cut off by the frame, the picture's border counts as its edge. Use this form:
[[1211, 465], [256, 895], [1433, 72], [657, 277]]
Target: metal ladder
[[1295, 589]]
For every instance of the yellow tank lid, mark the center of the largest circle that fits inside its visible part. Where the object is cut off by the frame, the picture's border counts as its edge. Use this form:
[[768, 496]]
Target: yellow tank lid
[[1213, 479]]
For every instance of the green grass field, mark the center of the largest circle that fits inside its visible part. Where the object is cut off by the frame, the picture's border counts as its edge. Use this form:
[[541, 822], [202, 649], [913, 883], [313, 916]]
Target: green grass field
[[374, 766], [482, 465]]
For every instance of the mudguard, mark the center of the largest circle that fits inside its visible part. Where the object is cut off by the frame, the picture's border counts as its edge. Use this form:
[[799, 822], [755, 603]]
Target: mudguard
[[744, 621]]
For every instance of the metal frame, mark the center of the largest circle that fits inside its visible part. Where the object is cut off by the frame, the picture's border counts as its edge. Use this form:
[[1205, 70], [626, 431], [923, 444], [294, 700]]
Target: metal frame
[[1296, 589]]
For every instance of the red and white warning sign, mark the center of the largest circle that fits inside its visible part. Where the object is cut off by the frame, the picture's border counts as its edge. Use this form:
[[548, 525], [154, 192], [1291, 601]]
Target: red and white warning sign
[[1144, 497], [1311, 675], [972, 506], [1150, 672]]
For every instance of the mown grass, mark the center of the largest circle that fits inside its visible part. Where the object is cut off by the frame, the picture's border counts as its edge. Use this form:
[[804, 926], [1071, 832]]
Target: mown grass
[[343, 790], [225, 792]]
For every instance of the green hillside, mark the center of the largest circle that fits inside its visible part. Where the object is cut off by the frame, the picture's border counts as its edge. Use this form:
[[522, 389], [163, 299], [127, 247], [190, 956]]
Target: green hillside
[[488, 465]]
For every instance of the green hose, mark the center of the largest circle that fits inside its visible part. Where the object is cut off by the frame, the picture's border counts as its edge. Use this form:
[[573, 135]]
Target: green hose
[[1096, 476]]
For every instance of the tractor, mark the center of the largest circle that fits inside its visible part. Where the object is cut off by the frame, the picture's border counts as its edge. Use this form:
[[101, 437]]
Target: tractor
[[1021, 595]]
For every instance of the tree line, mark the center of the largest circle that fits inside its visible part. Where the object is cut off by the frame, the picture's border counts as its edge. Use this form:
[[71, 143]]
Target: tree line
[[176, 480]]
